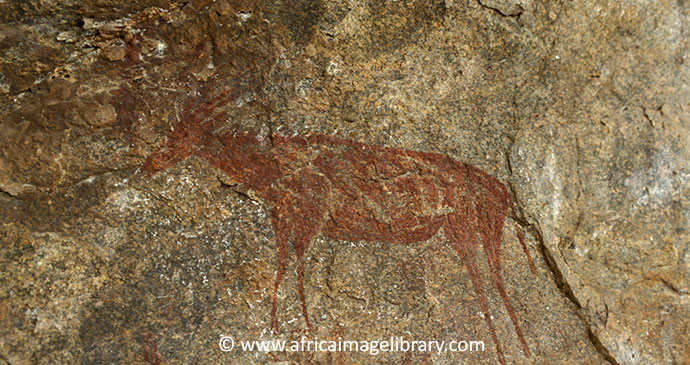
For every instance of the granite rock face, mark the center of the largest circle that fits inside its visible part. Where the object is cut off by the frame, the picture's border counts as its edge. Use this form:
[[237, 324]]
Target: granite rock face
[[581, 109]]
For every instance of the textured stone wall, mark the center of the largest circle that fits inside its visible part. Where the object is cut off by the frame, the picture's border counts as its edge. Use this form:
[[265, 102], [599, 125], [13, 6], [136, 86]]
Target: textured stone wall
[[580, 109]]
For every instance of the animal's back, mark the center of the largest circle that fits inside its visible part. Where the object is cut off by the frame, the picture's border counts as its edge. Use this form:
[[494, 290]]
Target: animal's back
[[387, 194]]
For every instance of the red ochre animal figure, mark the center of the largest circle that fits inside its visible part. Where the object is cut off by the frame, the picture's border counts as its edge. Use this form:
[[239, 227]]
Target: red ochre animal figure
[[319, 185]]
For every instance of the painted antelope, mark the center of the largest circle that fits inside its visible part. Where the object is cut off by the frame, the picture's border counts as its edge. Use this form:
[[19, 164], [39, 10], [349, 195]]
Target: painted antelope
[[319, 185]]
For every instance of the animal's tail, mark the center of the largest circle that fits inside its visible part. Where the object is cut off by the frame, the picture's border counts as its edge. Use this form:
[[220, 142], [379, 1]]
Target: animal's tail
[[521, 238]]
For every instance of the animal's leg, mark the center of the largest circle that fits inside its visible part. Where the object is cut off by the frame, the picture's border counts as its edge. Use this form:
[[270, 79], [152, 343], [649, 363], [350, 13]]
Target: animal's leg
[[312, 192], [304, 208], [304, 234], [491, 219], [459, 233], [281, 225], [291, 227]]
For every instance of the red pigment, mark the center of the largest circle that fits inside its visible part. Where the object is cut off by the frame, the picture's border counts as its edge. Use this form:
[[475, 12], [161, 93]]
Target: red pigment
[[319, 185]]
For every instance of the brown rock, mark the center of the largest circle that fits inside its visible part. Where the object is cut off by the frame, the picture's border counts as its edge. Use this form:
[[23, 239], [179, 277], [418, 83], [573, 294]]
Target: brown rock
[[61, 89], [116, 51], [580, 109], [98, 115]]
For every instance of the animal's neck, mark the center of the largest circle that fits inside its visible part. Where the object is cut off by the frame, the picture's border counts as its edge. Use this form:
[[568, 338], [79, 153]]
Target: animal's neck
[[257, 167], [245, 160]]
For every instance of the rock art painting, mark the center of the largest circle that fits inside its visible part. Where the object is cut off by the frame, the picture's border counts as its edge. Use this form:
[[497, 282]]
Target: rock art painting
[[316, 185]]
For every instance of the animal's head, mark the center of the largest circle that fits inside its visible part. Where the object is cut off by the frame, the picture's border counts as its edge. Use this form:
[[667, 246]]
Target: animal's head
[[193, 132]]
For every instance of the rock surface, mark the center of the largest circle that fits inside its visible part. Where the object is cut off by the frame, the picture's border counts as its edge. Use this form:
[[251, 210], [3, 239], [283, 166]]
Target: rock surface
[[582, 109]]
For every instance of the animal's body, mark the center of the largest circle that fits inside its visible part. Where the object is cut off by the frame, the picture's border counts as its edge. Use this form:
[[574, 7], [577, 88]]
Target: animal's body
[[317, 185]]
